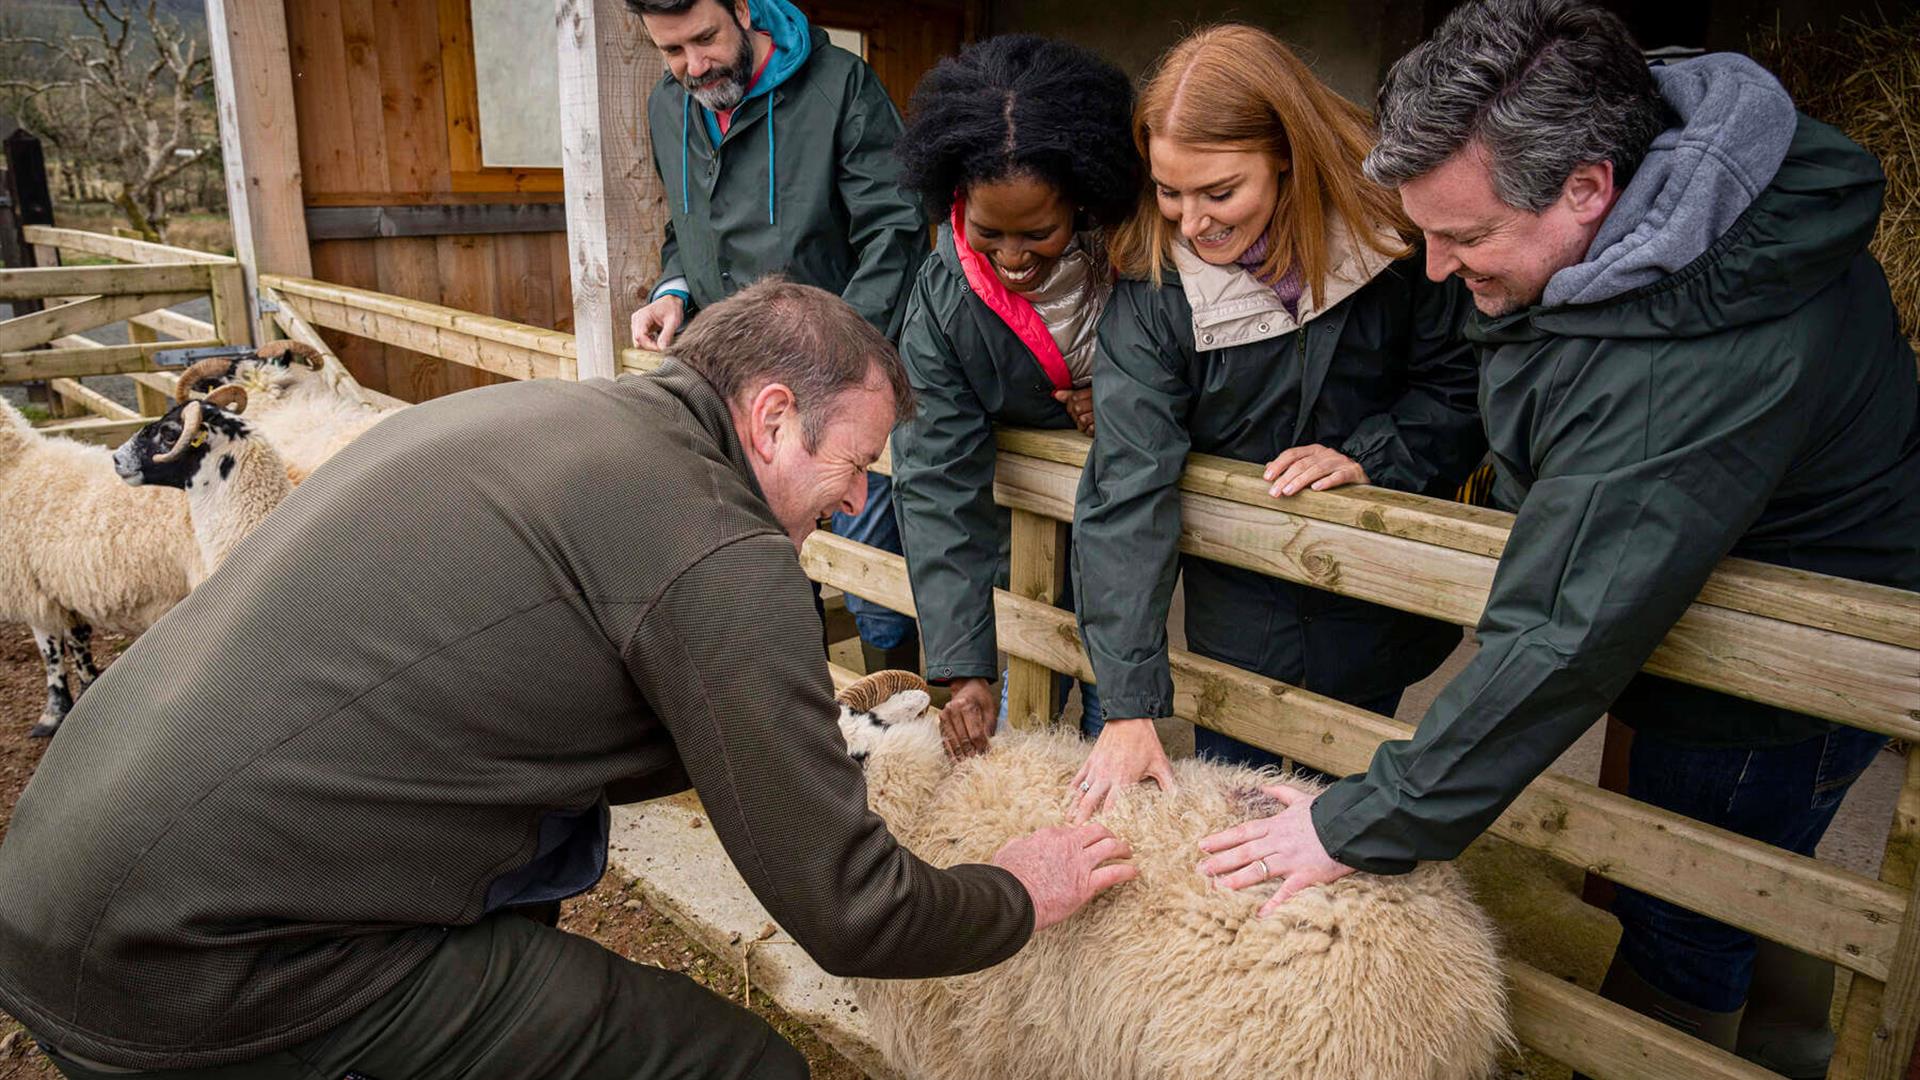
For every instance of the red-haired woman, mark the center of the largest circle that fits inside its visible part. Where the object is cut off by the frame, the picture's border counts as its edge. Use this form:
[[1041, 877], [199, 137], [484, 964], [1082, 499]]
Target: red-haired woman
[[1271, 310]]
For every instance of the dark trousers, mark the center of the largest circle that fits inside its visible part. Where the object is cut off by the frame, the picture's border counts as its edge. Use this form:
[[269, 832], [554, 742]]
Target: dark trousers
[[1785, 797], [511, 999]]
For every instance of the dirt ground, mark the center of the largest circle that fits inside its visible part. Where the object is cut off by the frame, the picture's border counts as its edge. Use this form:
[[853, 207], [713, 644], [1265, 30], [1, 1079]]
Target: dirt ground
[[609, 914]]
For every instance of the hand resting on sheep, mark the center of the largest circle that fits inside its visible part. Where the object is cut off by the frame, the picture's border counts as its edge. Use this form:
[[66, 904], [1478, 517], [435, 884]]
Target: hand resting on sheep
[[1169, 976]]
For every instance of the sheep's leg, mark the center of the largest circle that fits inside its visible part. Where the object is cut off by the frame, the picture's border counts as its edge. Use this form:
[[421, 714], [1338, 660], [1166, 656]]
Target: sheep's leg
[[78, 646], [59, 691]]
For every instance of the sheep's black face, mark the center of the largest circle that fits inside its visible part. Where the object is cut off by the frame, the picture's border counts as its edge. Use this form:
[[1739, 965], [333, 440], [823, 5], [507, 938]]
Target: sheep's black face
[[137, 459]]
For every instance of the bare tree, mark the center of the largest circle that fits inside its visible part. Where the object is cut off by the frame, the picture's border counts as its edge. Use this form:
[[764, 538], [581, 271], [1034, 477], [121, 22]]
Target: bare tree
[[129, 94]]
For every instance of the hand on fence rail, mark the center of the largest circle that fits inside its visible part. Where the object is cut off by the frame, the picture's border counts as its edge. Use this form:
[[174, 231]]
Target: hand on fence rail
[[1079, 406], [1282, 846], [655, 324], [1313, 466], [1127, 752], [967, 721]]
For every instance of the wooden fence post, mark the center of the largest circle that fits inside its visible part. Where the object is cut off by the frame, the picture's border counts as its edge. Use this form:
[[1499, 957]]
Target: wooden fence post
[[1876, 1026], [25, 201], [616, 207], [1038, 570]]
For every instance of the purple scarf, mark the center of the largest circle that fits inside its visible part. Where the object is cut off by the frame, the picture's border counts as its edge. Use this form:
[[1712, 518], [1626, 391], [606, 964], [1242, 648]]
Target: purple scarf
[[1290, 286]]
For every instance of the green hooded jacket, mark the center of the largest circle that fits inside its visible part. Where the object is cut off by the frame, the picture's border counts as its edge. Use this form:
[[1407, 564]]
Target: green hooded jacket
[[969, 371], [803, 184], [1758, 401], [1210, 362]]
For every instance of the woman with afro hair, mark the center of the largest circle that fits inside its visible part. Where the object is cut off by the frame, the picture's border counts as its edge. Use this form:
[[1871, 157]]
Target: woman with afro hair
[[1272, 310], [1020, 148]]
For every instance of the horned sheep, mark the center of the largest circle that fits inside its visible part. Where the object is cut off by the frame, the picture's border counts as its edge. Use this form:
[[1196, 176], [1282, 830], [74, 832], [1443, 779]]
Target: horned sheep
[[1389, 978], [233, 477], [306, 407], [80, 551]]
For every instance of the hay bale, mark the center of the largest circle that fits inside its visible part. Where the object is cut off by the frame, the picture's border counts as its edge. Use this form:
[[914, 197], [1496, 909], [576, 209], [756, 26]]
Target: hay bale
[[1864, 78]]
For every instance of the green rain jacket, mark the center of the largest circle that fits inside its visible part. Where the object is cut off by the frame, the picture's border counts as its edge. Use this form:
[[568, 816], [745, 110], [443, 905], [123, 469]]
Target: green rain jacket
[[969, 371], [1758, 401], [803, 184], [1210, 362]]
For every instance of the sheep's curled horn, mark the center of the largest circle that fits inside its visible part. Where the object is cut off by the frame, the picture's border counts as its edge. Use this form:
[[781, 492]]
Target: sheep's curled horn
[[213, 369], [294, 350], [231, 398], [868, 692]]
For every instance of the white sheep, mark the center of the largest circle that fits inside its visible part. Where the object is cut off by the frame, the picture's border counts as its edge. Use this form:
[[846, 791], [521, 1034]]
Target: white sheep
[[232, 475], [80, 551], [1382, 978], [308, 408]]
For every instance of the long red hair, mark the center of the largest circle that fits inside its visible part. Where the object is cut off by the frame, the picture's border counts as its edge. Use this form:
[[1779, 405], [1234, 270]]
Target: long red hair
[[1238, 87]]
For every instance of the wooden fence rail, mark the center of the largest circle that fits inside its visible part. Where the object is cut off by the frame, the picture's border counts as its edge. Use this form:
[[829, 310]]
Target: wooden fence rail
[[1841, 650]]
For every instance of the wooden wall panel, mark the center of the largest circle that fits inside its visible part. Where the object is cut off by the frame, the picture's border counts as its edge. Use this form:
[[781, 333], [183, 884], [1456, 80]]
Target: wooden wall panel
[[370, 95], [370, 92]]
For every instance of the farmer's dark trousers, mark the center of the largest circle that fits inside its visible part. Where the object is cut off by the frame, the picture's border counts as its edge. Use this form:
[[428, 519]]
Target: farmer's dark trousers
[[510, 999]]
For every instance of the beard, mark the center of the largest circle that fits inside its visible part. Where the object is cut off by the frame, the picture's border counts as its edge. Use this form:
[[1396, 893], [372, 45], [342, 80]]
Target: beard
[[722, 89]]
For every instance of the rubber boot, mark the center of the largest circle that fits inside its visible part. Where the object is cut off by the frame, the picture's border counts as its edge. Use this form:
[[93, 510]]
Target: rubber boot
[[1788, 1024], [1624, 986]]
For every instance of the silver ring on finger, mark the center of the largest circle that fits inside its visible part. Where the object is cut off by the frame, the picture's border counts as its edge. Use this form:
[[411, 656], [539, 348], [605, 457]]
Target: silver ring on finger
[[1264, 872], [1086, 786]]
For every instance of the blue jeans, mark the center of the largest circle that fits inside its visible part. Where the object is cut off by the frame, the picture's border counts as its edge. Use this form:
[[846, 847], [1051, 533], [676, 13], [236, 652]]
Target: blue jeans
[[1785, 797], [874, 525]]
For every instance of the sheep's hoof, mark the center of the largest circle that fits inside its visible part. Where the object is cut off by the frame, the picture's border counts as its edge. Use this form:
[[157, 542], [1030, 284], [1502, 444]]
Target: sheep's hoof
[[44, 729]]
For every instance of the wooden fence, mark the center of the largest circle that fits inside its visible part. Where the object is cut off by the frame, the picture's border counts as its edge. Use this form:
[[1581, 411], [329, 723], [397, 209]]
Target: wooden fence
[[1838, 649], [51, 344]]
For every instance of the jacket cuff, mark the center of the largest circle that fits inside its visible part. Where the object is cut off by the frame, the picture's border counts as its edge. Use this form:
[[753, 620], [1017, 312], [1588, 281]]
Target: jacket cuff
[[672, 287], [1377, 446], [1357, 824], [940, 674]]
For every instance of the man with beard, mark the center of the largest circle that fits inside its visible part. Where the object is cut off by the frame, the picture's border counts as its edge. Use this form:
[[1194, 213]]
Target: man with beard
[[776, 152]]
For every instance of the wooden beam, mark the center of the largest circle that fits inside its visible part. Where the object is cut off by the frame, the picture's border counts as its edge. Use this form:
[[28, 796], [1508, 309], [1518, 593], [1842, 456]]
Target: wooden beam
[[174, 325], [89, 360], [457, 219], [297, 329], [1608, 1041], [253, 88], [42, 326], [98, 431], [641, 361], [1855, 608], [115, 247], [616, 206], [1037, 570], [40, 283], [1867, 684], [93, 401], [1818, 908], [506, 348]]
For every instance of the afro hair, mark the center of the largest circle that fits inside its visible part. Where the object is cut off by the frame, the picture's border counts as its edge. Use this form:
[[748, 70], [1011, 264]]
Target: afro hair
[[1023, 105]]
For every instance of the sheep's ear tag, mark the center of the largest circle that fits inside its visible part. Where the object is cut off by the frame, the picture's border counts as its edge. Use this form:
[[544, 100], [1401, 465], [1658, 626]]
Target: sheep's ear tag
[[199, 441]]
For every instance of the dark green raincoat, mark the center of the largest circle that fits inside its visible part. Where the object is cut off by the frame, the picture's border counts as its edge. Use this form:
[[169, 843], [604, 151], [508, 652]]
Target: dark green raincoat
[[833, 214], [1760, 402], [1385, 379], [969, 372]]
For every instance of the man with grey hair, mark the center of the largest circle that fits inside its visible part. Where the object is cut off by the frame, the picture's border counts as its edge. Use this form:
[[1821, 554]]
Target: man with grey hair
[[1687, 353], [293, 830]]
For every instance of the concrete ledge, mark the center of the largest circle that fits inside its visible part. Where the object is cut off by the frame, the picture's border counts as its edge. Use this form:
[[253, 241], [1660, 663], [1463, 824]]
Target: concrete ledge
[[679, 867]]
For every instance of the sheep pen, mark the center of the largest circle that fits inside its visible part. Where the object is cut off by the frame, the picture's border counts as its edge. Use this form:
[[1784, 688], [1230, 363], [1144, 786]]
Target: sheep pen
[[1394, 978]]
